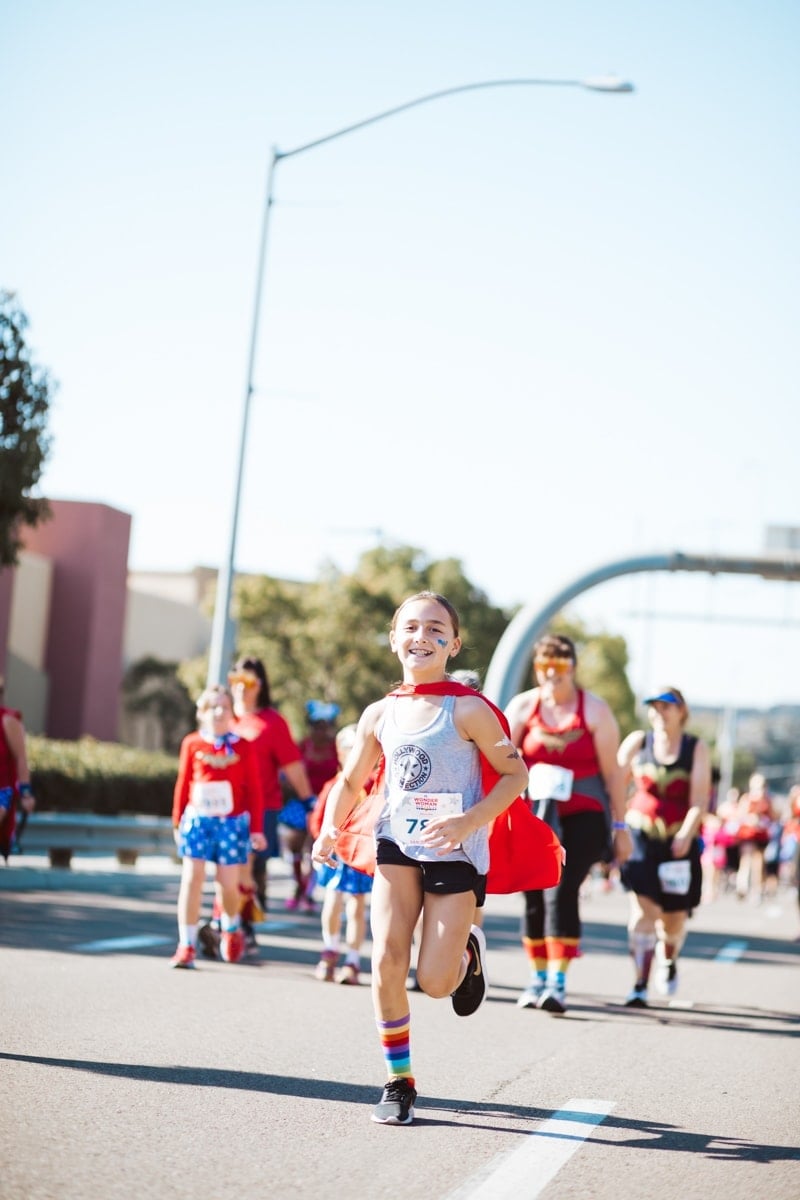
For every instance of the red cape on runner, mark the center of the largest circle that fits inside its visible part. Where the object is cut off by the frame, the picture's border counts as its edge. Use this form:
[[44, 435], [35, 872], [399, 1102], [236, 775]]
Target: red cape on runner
[[524, 852]]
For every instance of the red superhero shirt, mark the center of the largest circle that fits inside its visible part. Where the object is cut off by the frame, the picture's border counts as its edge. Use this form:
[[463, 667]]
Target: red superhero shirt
[[275, 748], [755, 817], [321, 762], [662, 795], [572, 747], [8, 779], [234, 763]]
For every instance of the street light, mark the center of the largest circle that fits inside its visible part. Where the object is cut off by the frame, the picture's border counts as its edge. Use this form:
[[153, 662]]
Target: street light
[[222, 632]]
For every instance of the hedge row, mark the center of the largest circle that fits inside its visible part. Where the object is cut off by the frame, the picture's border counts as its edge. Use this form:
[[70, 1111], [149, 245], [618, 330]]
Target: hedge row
[[100, 777]]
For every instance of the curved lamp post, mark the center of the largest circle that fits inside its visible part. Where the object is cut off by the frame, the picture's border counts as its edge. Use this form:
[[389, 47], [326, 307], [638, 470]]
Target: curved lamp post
[[222, 632]]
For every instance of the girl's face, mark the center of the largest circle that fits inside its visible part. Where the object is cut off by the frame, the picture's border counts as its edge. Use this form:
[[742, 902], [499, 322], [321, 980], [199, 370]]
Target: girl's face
[[218, 717], [423, 639]]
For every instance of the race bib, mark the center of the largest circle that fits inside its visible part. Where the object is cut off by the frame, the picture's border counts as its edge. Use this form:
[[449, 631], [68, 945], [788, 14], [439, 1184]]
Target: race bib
[[548, 782], [212, 798], [410, 812], [675, 877]]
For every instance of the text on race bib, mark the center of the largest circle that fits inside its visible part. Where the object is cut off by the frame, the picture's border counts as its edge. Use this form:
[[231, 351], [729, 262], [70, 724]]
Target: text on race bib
[[410, 812], [675, 877], [212, 798], [548, 782]]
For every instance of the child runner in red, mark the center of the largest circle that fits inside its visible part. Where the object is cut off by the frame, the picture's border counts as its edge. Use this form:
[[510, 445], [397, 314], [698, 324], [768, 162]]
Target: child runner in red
[[217, 815], [432, 840]]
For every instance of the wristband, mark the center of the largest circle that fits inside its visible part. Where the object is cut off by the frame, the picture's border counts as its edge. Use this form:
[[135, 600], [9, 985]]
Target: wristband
[[24, 789], [331, 833], [618, 826]]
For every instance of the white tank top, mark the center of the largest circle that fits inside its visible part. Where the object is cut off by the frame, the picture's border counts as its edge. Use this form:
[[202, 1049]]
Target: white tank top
[[429, 772]]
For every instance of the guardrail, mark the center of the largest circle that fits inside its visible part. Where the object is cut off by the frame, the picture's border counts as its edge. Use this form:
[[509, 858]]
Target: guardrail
[[60, 835]]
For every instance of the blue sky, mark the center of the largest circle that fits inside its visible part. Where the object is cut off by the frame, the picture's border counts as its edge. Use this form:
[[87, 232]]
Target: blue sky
[[534, 328]]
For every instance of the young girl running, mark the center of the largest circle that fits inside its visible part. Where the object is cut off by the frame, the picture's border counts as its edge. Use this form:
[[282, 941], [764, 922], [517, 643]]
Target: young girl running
[[432, 839]]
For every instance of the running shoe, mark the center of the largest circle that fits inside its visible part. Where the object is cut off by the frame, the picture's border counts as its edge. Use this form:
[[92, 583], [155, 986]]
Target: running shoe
[[666, 977], [636, 997], [396, 1105], [208, 937], [348, 975], [531, 996], [292, 903], [232, 945], [553, 999], [183, 957], [471, 992], [307, 905], [325, 968]]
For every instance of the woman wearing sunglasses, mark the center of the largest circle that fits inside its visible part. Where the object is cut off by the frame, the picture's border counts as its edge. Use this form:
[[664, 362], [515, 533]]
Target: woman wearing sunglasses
[[568, 739], [671, 774]]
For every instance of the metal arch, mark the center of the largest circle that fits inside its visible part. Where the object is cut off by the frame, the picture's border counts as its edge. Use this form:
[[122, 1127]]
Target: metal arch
[[511, 658]]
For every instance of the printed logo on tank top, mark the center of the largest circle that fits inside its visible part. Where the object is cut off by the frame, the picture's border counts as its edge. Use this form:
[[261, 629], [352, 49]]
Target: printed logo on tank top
[[411, 767], [556, 742]]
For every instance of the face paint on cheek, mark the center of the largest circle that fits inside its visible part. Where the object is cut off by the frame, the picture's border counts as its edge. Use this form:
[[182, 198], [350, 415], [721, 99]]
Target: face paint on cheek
[[441, 642]]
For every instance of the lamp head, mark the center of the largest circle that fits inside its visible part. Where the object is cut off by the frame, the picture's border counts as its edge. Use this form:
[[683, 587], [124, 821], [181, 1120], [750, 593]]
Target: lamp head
[[607, 83]]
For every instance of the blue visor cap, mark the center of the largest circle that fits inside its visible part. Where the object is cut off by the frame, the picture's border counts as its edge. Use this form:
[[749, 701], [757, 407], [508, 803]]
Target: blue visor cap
[[663, 698], [318, 710]]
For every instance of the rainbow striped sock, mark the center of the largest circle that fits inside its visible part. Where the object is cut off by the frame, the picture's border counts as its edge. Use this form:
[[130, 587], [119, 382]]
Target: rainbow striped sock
[[396, 1045]]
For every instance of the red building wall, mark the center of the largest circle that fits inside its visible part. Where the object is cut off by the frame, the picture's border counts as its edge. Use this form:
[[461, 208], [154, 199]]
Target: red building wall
[[88, 545]]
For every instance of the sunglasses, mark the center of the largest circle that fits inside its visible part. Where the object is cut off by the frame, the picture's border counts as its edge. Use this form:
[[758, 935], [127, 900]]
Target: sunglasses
[[243, 678], [561, 666]]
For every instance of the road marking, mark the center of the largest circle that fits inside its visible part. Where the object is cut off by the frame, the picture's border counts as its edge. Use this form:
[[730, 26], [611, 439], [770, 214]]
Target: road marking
[[123, 943], [527, 1170], [731, 951]]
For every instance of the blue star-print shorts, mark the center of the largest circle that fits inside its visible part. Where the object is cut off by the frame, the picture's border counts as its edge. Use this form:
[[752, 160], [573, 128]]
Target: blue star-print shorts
[[222, 840]]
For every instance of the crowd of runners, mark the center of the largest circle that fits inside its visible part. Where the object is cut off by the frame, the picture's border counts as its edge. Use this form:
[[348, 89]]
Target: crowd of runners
[[397, 820]]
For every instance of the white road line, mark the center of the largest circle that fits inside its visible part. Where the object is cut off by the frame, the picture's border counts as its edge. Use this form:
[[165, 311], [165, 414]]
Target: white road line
[[123, 943], [731, 951], [526, 1171]]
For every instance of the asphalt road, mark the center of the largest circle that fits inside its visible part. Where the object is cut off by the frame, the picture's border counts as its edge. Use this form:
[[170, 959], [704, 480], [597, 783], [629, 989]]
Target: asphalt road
[[120, 1077]]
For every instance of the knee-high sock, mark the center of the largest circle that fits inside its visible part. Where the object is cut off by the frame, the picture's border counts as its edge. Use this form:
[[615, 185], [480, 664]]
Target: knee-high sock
[[673, 944], [536, 952], [396, 1045], [642, 947]]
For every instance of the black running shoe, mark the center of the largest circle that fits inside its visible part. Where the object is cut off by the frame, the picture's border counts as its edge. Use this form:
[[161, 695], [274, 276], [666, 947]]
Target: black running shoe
[[208, 937], [471, 992], [397, 1103]]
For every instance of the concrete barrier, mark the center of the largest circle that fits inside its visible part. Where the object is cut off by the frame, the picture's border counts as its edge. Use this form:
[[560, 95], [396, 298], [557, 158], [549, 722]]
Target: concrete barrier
[[60, 835]]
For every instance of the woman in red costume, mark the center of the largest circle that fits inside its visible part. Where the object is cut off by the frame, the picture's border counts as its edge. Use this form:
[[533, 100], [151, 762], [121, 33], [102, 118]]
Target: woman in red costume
[[756, 815], [671, 774], [15, 780], [568, 738]]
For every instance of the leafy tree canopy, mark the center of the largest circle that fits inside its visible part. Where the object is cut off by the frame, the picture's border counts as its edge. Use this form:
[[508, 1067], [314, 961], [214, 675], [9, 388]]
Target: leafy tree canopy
[[25, 392]]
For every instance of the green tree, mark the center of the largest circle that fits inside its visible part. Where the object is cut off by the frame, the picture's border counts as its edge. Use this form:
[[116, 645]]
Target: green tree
[[25, 392], [330, 639]]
